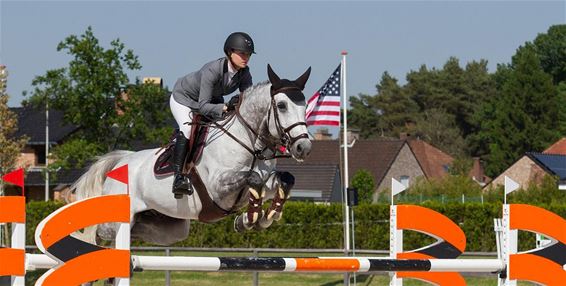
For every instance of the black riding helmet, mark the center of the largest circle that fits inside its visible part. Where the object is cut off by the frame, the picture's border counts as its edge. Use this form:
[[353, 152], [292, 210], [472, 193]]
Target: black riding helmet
[[239, 41]]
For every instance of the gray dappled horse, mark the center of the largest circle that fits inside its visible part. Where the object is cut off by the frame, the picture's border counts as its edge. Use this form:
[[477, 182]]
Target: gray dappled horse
[[237, 167]]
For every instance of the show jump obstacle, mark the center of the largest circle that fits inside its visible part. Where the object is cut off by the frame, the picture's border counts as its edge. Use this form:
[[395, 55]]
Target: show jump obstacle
[[72, 262]]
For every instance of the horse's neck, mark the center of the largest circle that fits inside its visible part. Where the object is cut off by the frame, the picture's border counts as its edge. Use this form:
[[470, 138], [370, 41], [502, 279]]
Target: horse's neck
[[253, 110], [255, 106]]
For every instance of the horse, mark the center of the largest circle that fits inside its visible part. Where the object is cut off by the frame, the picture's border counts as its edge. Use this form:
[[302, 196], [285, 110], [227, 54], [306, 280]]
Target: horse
[[237, 166]]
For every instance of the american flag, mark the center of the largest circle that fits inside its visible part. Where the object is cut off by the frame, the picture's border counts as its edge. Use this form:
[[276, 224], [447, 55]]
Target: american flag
[[323, 108]]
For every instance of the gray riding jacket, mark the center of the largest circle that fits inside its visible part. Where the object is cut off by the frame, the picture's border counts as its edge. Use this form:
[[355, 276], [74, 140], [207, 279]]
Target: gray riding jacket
[[204, 89]]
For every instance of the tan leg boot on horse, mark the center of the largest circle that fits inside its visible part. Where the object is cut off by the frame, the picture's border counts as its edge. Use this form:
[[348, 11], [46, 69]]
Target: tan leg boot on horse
[[181, 184]]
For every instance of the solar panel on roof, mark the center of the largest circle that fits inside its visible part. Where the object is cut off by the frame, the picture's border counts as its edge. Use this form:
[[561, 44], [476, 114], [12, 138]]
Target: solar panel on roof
[[553, 162]]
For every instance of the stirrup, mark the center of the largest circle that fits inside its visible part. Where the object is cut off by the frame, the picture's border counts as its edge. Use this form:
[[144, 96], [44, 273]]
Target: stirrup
[[183, 188]]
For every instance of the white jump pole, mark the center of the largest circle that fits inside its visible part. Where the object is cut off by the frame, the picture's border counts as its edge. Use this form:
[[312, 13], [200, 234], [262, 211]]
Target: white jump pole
[[283, 264]]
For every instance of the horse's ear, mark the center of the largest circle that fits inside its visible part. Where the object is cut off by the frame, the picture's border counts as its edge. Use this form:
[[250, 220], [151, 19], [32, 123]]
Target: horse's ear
[[273, 78], [302, 80]]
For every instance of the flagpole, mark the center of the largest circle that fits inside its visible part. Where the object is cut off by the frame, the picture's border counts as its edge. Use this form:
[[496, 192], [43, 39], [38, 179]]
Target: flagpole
[[345, 143]]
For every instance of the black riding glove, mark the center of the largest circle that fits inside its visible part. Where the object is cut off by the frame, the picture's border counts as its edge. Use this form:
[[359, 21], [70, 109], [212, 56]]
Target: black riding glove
[[233, 102]]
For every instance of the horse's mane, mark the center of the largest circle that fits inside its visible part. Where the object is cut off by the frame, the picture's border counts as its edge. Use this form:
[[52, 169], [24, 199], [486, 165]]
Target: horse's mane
[[252, 96], [255, 89]]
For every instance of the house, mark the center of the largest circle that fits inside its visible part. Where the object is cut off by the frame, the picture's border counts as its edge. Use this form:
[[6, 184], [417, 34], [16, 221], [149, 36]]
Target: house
[[31, 123], [557, 148], [404, 159], [532, 167], [318, 183]]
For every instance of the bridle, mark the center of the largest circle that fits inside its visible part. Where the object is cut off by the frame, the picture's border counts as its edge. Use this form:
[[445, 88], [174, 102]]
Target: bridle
[[284, 133]]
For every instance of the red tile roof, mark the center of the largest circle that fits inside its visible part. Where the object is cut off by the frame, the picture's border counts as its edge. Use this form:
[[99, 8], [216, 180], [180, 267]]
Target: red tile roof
[[434, 162], [557, 148]]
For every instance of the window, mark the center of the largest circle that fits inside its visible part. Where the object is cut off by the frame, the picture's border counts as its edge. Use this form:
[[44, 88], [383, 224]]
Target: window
[[405, 181], [40, 155]]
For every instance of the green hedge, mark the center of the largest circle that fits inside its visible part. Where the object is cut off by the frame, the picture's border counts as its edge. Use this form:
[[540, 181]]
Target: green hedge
[[308, 225], [35, 213]]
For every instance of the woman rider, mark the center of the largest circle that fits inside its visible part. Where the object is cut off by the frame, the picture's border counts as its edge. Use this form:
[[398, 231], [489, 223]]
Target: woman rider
[[202, 91]]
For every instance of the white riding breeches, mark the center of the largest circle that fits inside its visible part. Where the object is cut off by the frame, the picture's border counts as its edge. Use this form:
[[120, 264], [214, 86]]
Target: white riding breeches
[[182, 114]]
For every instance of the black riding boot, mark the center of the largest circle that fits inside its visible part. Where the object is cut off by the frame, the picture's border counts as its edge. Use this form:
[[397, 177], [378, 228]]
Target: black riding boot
[[181, 184]]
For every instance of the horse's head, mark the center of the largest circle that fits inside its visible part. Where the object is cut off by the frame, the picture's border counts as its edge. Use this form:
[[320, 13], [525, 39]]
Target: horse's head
[[288, 112]]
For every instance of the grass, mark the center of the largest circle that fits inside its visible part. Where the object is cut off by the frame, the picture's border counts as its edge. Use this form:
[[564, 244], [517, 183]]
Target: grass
[[182, 278]]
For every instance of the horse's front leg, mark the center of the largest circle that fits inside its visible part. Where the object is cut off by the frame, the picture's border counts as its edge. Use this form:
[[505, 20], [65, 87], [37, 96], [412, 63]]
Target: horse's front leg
[[284, 183], [256, 192]]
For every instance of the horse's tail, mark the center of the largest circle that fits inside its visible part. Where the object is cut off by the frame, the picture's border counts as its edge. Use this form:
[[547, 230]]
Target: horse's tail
[[91, 183]]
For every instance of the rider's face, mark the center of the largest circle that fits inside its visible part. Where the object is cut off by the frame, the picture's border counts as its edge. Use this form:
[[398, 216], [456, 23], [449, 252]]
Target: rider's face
[[240, 59]]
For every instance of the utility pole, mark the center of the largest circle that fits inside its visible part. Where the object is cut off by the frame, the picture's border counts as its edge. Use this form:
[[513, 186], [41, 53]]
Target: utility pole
[[3, 82], [46, 148], [3, 226]]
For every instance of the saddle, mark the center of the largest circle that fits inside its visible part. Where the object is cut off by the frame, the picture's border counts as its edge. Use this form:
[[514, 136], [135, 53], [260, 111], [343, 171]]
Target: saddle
[[163, 167], [164, 164]]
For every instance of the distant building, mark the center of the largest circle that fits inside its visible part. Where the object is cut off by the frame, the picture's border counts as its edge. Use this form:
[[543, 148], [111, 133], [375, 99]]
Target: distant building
[[404, 159], [322, 134], [31, 123], [532, 167], [559, 147]]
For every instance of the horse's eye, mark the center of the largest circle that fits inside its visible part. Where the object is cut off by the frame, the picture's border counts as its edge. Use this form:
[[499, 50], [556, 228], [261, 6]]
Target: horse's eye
[[282, 106]]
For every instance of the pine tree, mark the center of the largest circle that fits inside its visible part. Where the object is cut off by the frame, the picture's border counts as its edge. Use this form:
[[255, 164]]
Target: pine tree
[[398, 110], [523, 116]]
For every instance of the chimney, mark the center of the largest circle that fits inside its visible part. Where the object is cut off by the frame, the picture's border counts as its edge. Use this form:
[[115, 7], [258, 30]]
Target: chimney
[[154, 80], [322, 134], [353, 134], [405, 136], [477, 173]]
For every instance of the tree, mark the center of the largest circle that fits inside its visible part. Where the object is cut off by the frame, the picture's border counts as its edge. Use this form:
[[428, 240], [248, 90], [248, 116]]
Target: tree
[[364, 115], [95, 94], [438, 127], [456, 90], [525, 114], [398, 110], [365, 183], [551, 49], [11, 147], [387, 113]]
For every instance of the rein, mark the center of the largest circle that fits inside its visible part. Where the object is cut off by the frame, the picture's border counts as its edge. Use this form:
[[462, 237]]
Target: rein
[[284, 133]]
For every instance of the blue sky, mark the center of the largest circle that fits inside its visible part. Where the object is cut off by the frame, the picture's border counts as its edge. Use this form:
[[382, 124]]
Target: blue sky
[[173, 38]]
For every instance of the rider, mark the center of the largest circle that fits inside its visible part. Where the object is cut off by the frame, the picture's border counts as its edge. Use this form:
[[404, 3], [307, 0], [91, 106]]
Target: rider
[[202, 91]]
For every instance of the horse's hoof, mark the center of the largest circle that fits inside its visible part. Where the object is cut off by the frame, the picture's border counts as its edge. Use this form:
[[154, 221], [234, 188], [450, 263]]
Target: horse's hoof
[[178, 196], [240, 224], [258, 227]]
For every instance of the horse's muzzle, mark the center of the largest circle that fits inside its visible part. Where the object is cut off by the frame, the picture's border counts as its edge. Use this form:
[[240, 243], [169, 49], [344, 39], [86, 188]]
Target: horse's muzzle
[[301, 149]]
